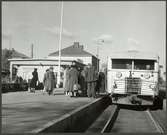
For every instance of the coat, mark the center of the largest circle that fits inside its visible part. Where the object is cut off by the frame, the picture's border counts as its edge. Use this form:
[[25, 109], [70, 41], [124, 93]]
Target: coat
[[49, 80], [73, 78], [101, 82], [90, 75], [66, 80], [83, 80], [34, 79]]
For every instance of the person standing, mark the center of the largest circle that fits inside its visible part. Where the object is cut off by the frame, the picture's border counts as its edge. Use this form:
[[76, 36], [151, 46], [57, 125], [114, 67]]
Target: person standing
[[90, 79], [93, 87], [101, 81], [44, 81], [49, 81], [83, 81], [34, 80], [73, 79], [66, 80], [105, 78], [97, 87]]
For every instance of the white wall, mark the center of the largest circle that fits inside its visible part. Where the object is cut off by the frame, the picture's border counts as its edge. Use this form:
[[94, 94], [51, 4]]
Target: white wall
[[26, 71], [26, 68]]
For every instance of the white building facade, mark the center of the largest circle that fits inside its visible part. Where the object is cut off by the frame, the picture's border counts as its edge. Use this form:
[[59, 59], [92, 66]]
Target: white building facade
[[76, 52]]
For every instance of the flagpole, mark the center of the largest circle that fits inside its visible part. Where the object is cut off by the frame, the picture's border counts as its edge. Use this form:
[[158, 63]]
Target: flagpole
[[60, 42]]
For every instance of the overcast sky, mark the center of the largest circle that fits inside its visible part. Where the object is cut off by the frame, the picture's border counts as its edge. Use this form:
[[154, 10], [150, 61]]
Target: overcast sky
[[122, 25]]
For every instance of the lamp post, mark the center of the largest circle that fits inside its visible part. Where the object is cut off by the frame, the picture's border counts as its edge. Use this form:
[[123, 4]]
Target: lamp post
[[60, 42]]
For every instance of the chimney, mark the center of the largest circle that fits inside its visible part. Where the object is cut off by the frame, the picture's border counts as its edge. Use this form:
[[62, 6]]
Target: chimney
[[32, 47]]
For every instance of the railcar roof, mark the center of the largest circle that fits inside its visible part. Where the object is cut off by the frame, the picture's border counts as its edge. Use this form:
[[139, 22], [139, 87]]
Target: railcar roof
[[134, 55]]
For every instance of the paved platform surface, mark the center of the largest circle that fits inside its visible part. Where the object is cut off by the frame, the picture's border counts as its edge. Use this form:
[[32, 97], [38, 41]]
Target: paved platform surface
[[24, 111]]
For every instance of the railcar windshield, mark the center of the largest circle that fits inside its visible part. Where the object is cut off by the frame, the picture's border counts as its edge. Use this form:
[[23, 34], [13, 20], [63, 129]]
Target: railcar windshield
[[144, 64], [137, 64], [121, 64]]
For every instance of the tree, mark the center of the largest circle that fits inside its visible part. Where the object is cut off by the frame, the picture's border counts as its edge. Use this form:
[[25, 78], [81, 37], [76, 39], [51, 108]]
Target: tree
[[6, 54]]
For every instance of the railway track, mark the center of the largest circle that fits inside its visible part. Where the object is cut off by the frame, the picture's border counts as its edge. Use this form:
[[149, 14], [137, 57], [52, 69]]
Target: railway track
[[101, 116], [116, 119]]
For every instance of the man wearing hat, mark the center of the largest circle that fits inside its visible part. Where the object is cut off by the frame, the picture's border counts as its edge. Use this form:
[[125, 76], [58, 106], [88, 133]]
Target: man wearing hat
[[90, 79], [49, 80], [34, 80], [73, 78]]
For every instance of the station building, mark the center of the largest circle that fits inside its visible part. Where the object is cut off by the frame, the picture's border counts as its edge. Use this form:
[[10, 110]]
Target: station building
[[25, 67], [74, 54]]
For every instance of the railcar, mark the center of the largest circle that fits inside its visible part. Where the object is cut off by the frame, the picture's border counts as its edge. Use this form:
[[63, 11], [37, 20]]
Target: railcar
[[132, 78]]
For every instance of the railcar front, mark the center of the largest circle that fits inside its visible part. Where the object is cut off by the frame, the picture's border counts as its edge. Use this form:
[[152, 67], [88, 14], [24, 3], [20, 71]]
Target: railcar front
[[133, 81]]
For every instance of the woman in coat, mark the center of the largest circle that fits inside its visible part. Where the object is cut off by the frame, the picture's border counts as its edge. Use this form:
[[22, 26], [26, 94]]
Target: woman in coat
[[66, 80]]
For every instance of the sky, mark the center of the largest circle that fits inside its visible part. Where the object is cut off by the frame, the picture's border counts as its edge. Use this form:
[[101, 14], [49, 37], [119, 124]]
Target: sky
[[139, 25]]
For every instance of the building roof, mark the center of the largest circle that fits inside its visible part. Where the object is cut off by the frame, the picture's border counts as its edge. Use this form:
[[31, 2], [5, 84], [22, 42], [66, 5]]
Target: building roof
[[134, 55], [13, 53], [16, 54], [74, 50]]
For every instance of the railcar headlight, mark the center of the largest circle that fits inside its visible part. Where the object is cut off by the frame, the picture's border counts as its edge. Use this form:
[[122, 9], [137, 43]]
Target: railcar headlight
[[118, 74], [146, 76], [152, 86]]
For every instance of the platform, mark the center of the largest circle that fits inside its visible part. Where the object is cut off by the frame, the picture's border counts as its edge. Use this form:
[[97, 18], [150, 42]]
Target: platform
[[23, 111]]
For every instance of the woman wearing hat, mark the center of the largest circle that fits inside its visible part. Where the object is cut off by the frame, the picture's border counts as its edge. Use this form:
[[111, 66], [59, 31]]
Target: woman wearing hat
[[66, 80]]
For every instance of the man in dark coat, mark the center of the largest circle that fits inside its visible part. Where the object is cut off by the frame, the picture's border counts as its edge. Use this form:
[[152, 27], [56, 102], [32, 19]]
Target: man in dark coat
[[49, 81], [34, 80], [90, 79], [73, 78], [83, 81], [101, 82]]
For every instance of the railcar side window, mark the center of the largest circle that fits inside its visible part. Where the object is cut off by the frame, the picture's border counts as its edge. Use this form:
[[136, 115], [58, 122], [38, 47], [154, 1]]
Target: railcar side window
[[121, 64], [144, 64]]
